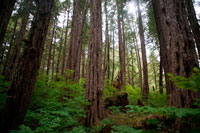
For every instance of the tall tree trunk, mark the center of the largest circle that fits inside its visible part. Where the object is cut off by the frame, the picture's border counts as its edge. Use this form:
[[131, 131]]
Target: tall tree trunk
[[179, 45], [193, 23], [53, 58], [113, 67], [11, 45], [137, 52], [94, 77], [65, 44], [23, 84], [121, 47], [145, 87], [132, 79], [83, 61], [75, 45], [154, 71], [16, 53], [163, 44], [161, 76], [50, 48], [60, 48], [6, 8]]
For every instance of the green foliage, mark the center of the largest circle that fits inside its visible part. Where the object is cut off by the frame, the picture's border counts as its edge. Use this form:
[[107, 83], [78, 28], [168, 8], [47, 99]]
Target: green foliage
[[133, 94], [109, 90], [155, 99], [191, 83], [55, 106], [124, 129], [167, 111], [115, 109]]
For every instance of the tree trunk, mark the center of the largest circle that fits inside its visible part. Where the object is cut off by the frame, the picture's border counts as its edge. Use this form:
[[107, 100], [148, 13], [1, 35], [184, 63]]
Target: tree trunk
[[65, 44], [145, 87], [60, 49], [154, 71], [113, 69], [75, 45], [83, 61], [6, 8], [121, 47], [16, 53], [132, 79], [180, 47], [10, 47], [23, 84], [193, 23], [94, 77], [50, 48], [53, 58], [161, 77]]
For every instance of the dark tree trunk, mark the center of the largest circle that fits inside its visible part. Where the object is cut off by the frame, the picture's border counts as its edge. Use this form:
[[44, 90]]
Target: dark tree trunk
[[16, 53], [50, 48], [6, 8], [83, 61], [179, 44], [161, 77], [145, 87], [23, 84], [94, 77], [113, 69], [193, 23], [10, 47], [65, 45], [53, 58]]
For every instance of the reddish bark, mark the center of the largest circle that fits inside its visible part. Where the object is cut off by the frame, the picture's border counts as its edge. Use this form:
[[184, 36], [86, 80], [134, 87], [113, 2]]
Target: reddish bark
[[23, 83]]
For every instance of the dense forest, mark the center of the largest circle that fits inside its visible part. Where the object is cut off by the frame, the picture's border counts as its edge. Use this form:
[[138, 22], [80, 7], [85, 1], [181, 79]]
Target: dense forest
[[99, 66]]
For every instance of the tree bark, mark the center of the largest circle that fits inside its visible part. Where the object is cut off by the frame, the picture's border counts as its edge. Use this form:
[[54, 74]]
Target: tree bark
[[193, 23], [94, 76], [65, 44], [16, 53], [6, 8], [161, 77], [132, 79], [145, 87], [50, 48], [75, 45], [121, 47], [23, 84], [11, 45], [179, 44], [113, 67], [53, 58]]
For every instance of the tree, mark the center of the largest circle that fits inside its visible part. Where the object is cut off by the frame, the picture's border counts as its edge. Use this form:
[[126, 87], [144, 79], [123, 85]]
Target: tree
[[173, 29], [121, 44], [94, 75], [75, 45], [16, 52], [22, 86], [145, 87], [194, 24], [6, 8]]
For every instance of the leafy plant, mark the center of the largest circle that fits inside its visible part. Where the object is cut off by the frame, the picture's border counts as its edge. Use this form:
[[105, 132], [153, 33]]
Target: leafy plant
[[124, 129], [191, 83]]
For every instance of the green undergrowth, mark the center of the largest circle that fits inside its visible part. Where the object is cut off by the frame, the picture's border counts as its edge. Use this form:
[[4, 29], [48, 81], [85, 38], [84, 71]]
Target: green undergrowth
[[56, 106]]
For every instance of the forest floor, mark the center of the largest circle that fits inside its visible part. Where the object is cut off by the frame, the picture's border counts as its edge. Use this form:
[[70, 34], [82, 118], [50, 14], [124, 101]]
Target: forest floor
[[58, 106]]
